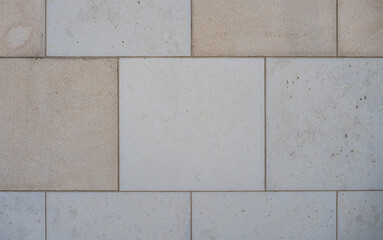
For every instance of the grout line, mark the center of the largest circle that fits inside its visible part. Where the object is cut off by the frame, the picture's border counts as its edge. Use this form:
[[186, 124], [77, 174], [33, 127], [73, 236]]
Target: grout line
[[45, 44], [188, 191], [336, 211], [191, 215], [93, 57], [191, 28], [264, 124], [336, 29], [118, 124], [46, 231], [143, 57], [139, 57]]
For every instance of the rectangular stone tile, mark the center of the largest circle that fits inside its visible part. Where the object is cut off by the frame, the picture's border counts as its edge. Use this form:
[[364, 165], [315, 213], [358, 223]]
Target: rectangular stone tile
[[324, 124], [22, 28], [192, 124], [58, 124], [22, 215], [116, 216], [264, 28], [118, 28], [267, 215], [360, 215], [360, 27]]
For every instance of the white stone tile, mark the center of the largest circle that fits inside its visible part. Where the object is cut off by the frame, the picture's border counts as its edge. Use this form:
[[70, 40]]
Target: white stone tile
[[324, 124], [272, 215], [116, 216], [360, 215], [191, 124], [118, 28], [22, 216]]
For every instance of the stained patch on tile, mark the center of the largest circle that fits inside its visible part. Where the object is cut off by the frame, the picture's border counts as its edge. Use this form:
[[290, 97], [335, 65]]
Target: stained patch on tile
[[22, 28], [360, 215], [264, 28], [118, 216], [58, 124], [277, 215], [22, 215], [192, 124], [118, 28], [324, 124], [360, 28]]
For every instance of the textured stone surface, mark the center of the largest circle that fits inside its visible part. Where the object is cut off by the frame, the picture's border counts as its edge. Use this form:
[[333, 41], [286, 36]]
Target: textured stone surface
[[324, 124], [58, 124], [22, 216], [118, 28], [361, 27], [264, 28], [191, 124], [22, 28], [360, 215], [278, 215], [116, 216]]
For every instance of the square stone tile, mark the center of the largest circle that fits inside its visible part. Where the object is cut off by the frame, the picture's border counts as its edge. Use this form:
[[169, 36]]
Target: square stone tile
[[58, 124], [118, 28], [117, 216], [360, 215], [192, 124], [264, 28], [22, 215], [360, 27], [267, 215], [324, 124], [22, 28]]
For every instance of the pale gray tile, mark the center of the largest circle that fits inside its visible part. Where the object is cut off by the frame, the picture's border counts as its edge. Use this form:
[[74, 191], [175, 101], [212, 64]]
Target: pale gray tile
[[360, 215], [191, 124], [324, 124], [277, 215], [116, 216]]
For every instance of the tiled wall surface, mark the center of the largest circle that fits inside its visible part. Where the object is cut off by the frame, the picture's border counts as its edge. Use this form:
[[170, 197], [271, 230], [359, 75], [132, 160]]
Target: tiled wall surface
[[191, 119]]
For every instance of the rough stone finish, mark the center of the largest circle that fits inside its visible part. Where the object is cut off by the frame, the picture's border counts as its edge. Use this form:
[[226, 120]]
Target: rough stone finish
[[58, 124]]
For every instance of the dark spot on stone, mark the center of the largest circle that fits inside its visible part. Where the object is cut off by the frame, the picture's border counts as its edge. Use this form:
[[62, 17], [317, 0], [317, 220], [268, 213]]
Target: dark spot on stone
[[356, 106], [345, 135]]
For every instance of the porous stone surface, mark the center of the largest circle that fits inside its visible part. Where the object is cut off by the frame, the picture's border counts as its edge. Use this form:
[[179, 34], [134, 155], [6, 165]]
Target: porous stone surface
[[324, 124]]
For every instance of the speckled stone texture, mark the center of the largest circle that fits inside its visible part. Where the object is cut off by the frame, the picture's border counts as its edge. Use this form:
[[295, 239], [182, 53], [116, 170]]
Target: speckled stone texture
[[268, 216], [192, 124], [360, 215], [264, 28], [116, 216], [118, 28], [22, 216], [58, 124], [22, 28], [324, 124], [361, 27]]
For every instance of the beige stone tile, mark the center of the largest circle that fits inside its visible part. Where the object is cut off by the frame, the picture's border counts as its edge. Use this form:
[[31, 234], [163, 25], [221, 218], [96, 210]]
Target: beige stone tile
[[264, 27], [58, 124], [360, 27], [22, 28]]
